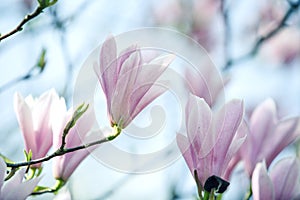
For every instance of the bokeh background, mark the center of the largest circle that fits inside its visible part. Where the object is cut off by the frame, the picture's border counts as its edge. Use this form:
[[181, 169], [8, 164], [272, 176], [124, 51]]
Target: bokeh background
[[70, 30]]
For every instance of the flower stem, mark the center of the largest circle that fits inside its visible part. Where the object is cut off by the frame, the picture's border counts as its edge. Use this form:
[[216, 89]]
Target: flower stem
[[219, 197], [249, 193], [116, 132], [42, 190], [206, 195]]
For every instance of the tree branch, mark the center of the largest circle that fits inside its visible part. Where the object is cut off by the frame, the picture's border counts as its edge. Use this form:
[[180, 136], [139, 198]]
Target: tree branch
[[26, 19], [39, 9], [262, 39], [59, 152]]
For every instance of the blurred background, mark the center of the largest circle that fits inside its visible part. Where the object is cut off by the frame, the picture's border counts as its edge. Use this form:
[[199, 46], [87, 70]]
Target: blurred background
[[70, 30]]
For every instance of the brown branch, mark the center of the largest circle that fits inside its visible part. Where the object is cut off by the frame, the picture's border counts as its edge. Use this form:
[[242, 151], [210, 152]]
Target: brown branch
[[59, 152], [39, 9], [26, 19]]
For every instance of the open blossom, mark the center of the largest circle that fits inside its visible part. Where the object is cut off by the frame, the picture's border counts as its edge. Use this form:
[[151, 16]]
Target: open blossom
[[15, 187], [64, 166], [282, 182], [212, 138], [267, 135], [128, 81], [34, 120]]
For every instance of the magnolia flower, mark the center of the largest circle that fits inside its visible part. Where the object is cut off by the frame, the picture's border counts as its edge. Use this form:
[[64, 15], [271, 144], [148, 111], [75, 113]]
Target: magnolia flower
[[267, 135], [212, 140], [64, 166], [15, 187], [282, 183], [33, 116], [205, 82], [128, 81]]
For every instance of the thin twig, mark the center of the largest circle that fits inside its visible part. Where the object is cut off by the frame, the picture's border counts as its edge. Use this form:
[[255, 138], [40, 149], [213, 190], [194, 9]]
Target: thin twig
[[26, 19], [59, 152], [261, 40]]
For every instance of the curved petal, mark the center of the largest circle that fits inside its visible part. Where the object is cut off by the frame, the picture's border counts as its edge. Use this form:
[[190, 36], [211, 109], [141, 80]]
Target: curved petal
[[151, 94], [226, 124], [15, 184], [285, 177], [262, 124], [59, 118], [285, 133], [144, 91], [186, 151], [120, 102], [24, 118], [107, 71], [72, 161], [42, 124], [262, 187], [198, 124], [237, 142]]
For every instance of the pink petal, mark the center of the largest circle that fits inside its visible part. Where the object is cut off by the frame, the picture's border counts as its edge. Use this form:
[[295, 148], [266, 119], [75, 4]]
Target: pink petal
[[262, 124], [120, 107], [132, 61], [226, 123], [64, 166], [237, 142], [72, 161], [262, 187], [151, 94], [107, 72], [15, 184], [246, 149], [58, 165], [148, 75], [285, 133], [59, 118], [198, 124], [123, 56], [24, 189], [41, 122], [285, 176], [13, 181], [198, 85], [187, 151], [24, 118]]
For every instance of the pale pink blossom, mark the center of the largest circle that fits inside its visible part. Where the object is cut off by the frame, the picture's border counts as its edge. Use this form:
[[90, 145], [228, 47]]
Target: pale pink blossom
[[65, 165], [34, 120], [128, 81], [212, 137], [267, 136], [282, 182], [15, 188]]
